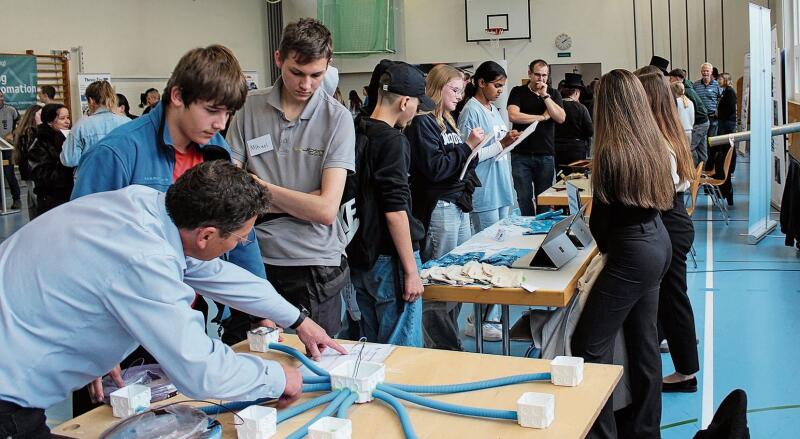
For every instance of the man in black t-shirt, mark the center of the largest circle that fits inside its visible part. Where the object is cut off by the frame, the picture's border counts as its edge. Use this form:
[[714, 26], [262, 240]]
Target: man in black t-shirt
[[532, 161]]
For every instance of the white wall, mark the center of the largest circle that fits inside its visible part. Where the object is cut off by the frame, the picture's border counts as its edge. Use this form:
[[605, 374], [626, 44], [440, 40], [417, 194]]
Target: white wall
[[138, 42], [602, 31]]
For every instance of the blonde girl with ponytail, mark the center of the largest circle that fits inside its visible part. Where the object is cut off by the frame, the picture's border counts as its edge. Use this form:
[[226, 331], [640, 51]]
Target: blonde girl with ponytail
[[101, 99]]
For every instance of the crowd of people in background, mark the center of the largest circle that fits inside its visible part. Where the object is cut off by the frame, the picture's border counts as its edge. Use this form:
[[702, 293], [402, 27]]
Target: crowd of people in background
[[418, 190]]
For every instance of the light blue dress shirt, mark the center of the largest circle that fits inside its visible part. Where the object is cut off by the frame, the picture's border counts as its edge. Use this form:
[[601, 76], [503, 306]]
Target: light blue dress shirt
[[497, 188], [88, 131], [84, 284]]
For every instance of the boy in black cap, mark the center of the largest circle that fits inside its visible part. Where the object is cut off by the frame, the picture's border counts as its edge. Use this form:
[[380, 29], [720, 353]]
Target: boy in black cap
[[384, 254]]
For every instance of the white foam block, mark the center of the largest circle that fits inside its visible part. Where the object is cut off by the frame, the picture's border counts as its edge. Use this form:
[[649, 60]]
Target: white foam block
[[257, 422], [130, 400], [331, 428], [260, 338], [361, 381], [536, 410], [566, 371]]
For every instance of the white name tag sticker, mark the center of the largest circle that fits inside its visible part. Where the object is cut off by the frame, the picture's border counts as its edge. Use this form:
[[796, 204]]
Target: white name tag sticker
[[260, 145]]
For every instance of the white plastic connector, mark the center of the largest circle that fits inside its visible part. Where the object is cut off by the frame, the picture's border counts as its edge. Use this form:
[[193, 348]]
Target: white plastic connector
[[130, 400], [258, 422], [261, 337], [331, 428], [566, 371], [363, 383], [536, 410]]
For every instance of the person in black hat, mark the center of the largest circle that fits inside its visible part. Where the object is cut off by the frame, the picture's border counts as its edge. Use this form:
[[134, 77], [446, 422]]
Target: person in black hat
[[661, 63], [573, 137], [384, 254]]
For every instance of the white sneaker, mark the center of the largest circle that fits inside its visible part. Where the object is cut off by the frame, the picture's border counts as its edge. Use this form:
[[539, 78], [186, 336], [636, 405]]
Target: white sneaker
[[491, 331]]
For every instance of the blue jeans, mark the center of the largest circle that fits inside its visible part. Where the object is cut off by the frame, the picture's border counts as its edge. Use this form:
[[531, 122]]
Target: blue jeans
[[385, 316], [482, 220], [449, 228], [536, 170]]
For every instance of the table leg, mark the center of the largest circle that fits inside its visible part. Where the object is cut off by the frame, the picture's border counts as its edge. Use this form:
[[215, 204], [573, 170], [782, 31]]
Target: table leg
[[478, 325], [504, 322]]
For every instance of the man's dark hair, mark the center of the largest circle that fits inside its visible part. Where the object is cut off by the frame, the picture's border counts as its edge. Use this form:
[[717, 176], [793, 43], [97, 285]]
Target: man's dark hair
[[677, 73], [211, 74], [538, 62], [567, 91], [306, 40], [49, 91], [215, 194]]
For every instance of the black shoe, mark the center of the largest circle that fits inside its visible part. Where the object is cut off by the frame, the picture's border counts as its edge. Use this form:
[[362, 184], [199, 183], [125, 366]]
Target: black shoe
[[688, 386], [16, 204]]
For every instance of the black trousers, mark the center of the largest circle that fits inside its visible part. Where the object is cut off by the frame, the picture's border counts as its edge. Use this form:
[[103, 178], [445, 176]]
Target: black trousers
[[570, 152], [625, 295], [22, 423], [675, 313], [718, 153], [314, 288], [11, 177]]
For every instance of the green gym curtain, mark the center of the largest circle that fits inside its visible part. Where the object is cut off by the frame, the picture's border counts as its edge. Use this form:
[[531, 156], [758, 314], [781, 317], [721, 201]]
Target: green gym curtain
[[359, 27]]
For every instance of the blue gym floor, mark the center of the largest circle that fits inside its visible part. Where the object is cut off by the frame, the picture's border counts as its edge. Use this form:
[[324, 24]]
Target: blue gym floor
[[755, 314]]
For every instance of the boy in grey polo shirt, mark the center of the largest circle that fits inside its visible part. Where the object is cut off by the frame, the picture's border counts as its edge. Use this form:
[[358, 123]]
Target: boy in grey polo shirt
[[301, 143]]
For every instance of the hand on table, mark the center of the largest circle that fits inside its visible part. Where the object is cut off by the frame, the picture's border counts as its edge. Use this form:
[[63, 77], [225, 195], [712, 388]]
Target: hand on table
[[294, 386], [96, 386], [316, 340], [267, 323]]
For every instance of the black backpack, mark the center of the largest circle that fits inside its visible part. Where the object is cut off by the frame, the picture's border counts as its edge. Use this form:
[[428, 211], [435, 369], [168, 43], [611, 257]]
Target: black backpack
[[364, 224]]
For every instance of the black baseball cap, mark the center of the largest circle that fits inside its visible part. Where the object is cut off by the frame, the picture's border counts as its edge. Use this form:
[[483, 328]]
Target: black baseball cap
[[407, 80]]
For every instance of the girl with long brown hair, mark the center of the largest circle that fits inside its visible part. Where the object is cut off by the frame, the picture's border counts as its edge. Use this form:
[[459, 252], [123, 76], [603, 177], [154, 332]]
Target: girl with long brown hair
[[630, 187], [675, 315], [442, 201]]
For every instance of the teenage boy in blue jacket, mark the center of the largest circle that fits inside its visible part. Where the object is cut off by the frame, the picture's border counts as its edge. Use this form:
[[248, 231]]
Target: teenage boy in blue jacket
[[205, 88]]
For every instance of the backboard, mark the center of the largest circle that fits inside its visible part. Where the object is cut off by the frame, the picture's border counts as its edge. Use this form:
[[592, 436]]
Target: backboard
[[513, 16]]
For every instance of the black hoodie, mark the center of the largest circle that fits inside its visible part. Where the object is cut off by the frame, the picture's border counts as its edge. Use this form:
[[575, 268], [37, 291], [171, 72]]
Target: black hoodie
[[51, 178]]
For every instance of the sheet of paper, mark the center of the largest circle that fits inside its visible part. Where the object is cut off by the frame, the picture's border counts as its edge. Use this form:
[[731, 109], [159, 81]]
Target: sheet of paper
[[525, 133], [376, 353], [489, 139]]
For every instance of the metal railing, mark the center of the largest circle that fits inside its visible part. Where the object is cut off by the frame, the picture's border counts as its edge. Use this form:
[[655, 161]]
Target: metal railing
[[741, 136]]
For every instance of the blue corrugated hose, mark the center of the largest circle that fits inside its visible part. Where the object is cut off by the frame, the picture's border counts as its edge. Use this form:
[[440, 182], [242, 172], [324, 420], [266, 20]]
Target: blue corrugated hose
[[291, 412], [318, 387], [232, 406], [402, 413], [477, 385], [447, 407], [316, 379], [341, 395], [302, 358], [342, 413]]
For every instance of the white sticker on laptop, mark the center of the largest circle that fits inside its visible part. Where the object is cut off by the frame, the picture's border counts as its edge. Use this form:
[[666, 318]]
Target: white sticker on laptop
[[260, 145]]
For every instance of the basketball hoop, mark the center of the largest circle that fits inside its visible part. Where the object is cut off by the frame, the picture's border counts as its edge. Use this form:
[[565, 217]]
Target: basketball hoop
[[494, 34]]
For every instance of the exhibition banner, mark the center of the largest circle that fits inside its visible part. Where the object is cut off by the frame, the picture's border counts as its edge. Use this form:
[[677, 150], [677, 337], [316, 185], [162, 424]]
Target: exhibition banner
[[18, 80]]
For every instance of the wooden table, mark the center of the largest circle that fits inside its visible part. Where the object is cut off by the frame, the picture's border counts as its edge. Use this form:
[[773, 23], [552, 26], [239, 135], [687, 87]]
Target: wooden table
[[576, 407], [557, 194], [554, 288]]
